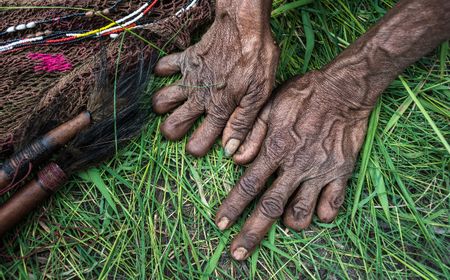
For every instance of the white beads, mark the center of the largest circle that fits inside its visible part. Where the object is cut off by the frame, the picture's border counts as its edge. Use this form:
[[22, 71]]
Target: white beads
[[112, 30], [138, 14], [31, 25], [182, 10], [21, 27]]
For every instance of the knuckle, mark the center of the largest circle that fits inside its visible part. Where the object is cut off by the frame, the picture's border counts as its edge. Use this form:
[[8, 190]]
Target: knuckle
[[241, 124], [337, 202], [184, 58], [247, 186], [194, 60], [221, 107], [197, 102], [258, 92], [250, 239], [301, 210], [272, 206], [275, 146], [342, 162], [217, 119], [229, 210]]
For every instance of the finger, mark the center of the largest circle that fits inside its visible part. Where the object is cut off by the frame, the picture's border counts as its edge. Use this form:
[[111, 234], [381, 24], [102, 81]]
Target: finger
[[169, 65], [181, 120], [242, 120], [168, 98], [268, 210], [331, 199], [298, 214], [248, 187], [253, 142], [211, 128], [204, 137]]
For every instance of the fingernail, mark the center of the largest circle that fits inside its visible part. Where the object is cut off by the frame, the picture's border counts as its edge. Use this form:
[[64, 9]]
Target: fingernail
[[240, 254], [223, 223], [231, 147]]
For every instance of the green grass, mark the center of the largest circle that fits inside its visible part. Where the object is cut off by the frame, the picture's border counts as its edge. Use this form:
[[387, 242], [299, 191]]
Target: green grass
[[148, 214]]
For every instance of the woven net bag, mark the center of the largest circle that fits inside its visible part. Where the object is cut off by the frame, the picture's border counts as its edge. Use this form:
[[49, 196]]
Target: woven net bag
[[54, 81]]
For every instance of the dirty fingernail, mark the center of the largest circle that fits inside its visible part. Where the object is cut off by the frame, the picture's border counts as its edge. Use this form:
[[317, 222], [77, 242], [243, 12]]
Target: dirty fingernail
[[240, 254], [223, 223], [231, 147]]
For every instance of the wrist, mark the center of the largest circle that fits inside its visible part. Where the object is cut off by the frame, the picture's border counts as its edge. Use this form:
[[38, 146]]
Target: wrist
[[251, 20], [250, 16], [258, 8], [369, 64], [357, 78], [346, 90]]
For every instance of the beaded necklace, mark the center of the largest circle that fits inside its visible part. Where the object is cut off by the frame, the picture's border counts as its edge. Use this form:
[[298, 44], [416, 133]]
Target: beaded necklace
[[112, 30], [33, 24]]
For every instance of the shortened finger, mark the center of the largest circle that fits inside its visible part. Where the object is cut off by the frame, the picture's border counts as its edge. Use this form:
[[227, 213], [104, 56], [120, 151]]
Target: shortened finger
[[299, 213], [331, 199], [169, 65], [218, 112], [181, 120], [168, 98], [268, 210], [204, 137]]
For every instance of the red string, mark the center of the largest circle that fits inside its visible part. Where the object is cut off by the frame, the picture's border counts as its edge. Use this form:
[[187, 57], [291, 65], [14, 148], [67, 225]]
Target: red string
[[133, 24], [68, 39], [16, 49], [119, 30], [150, 7], [60, 40], [13, 185]]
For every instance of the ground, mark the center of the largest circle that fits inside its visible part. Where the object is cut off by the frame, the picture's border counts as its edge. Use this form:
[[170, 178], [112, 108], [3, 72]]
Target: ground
[[148, 214]]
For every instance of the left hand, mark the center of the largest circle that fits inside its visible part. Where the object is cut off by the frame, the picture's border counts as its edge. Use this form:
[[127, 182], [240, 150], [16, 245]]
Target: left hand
[[314, 132], [228, 76]]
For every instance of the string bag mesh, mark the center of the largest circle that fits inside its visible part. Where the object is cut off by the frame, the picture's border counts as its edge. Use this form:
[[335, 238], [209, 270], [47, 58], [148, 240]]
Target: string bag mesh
[[52, 83]]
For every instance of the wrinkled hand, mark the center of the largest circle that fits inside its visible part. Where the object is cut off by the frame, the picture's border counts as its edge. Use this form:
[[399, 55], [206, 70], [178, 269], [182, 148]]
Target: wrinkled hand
[[314, 133], [228, 76]]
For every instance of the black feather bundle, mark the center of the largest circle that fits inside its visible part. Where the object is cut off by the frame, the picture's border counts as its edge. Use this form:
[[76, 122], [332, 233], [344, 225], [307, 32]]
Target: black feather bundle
[[99, 142]]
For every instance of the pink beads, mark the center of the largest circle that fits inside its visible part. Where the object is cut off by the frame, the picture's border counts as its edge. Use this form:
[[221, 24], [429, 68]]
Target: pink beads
[[51, 62]]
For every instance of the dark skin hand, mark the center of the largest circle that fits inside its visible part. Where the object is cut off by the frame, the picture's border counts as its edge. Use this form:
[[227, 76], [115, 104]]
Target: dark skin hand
[[228, 75], [315, 125]]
